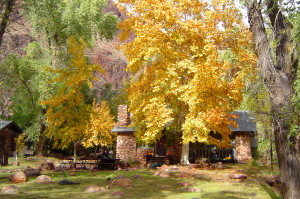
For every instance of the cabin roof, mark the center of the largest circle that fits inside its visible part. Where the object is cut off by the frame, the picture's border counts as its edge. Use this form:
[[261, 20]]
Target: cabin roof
[[10, 124], [245, 122]]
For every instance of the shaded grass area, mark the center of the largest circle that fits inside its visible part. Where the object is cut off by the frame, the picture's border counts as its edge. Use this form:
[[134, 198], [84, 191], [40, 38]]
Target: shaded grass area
[[25, 162], [213, 183]]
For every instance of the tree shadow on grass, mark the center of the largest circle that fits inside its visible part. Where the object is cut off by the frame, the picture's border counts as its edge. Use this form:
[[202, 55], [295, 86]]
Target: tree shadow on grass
[[228, 195], [269, 191], [147, 186]]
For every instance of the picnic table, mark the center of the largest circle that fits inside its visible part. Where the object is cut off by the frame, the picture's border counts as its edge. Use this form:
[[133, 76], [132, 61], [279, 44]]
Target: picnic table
[[102, 164], [108, 163], [84, 164]]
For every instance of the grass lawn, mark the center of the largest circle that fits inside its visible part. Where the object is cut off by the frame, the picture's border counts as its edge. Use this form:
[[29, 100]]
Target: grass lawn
[[215, 184]]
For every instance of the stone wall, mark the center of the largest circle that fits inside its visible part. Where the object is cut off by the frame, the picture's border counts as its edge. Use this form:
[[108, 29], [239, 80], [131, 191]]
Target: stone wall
[[175, 152], [141, 155], [243, 147], [126, 147]]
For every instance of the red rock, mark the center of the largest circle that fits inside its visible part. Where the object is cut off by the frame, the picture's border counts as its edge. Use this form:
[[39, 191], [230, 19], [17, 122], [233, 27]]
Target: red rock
[[30, 172], [238, 176], [18, 177], [93, 189], [117, 193], [163, 174], [185, 184], [192, 189], [185, 175], [137, 176], [10, 189], [163, 167], [47, 166], [72, 173], [123, 182], [43, 178]]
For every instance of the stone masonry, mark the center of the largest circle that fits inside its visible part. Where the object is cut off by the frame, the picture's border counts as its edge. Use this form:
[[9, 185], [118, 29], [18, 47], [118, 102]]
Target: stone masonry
[[126, 147], [123, 115], [126, 141], [243, 147], [142, 153]]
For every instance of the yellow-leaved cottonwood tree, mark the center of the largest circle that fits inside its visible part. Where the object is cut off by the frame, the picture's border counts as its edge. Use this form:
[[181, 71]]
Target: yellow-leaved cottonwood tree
[[69, 118], [188, 62], [98, 131]]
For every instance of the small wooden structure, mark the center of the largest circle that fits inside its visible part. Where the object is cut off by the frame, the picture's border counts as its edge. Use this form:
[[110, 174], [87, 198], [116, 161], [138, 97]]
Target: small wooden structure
[[9, 130]]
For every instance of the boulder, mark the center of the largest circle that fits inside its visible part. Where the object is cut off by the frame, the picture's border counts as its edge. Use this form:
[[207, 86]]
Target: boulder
[[43, 178], [184, 175], [67, 182], [119, 177], [122, 182], [273, 181], [46, 182], [47, 166], [137, 177], [163, 174], [117, 193], [163, 167], [93, 189], [16, 163], [185, 184], [218, 165], [238, 176], [72, 173], [201, 162], [10, 189], [18, 177], [30, 172], [193, 189]]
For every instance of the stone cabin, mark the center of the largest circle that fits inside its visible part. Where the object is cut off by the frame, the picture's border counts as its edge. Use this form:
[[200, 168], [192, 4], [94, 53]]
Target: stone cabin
[[9, 130], [168, 150]]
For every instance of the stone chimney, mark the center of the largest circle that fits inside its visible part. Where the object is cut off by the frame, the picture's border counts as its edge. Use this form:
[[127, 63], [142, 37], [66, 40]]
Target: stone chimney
[[123, 115], [126, 141]]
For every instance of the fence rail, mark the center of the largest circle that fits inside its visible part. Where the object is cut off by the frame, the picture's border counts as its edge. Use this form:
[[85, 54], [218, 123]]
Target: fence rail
[[210, 154]]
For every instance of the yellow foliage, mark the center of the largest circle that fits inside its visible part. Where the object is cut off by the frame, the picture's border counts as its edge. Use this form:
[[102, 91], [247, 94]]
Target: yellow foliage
[[20, 142], [180, 75], [98, 130], [69, 118]]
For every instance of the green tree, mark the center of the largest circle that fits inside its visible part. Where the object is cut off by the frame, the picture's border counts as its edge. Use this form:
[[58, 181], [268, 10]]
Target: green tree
[[28, 79], [52, 22]]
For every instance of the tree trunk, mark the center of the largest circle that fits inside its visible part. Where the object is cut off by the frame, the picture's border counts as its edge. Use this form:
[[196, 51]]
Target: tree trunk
[[271, 152], [185, 154], [278, 76], [40, 144], [39, 149], [289, 163], [8, 7]]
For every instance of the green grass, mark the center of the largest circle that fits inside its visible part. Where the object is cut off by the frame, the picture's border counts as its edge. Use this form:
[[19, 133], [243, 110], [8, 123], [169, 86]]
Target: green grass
[[25, 162], [213, 184]]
